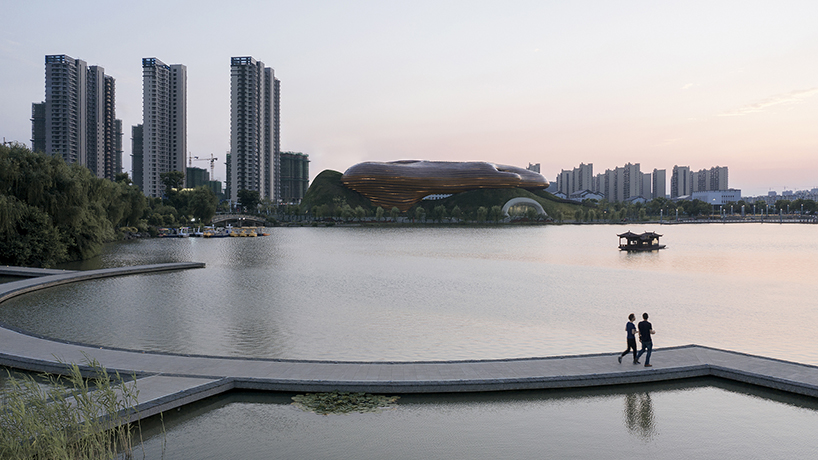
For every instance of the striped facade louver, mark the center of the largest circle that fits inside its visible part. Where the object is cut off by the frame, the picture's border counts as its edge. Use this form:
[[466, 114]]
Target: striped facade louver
[[401, 184]]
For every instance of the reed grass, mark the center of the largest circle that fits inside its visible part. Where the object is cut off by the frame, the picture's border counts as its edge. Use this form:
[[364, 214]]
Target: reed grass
[[69, 417]]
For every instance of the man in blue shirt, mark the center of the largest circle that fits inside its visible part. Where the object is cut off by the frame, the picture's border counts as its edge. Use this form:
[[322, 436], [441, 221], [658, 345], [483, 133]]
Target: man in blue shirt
[[630, 331], [645, 331]]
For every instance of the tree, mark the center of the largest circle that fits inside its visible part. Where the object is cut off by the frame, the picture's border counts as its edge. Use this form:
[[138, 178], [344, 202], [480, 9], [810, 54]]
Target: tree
[[347, 212], [266, 206], [496, 213], [420, 213], [27, 235], [123, 178], [394, 213], [578, 214], [359, 213], [457, 213], [530, 213], [809, 205], [439, 213], [201, 203], [695, 208], [659, 205], [613, 215], [68, 201], [172, 180], [323, 210], [482, 212], [249, 200], [781, 206]]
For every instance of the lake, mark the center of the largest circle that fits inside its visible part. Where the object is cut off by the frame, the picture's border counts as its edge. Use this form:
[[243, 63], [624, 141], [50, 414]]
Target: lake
[[446, 293], [443, 293]]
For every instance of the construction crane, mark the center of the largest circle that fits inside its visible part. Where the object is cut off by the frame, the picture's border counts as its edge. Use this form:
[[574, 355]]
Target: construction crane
[[212, 161]]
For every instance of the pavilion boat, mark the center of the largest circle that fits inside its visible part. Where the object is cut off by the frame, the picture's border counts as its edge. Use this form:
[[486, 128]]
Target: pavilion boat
[[648, 241]]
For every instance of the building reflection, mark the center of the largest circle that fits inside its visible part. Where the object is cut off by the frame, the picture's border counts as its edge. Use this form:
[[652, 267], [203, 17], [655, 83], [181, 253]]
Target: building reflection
[[639, 416]]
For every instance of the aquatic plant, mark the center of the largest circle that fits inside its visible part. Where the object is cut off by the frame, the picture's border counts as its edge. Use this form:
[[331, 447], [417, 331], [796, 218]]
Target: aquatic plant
[[343, 402], [68, 417]]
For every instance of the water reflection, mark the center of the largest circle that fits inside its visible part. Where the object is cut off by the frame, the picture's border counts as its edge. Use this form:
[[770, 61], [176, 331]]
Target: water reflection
[[639, 415], [726, 420]]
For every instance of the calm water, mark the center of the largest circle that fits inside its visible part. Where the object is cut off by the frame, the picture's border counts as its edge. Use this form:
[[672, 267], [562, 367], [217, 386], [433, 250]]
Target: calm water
[[455, 293], [448, 293], [706, 419]]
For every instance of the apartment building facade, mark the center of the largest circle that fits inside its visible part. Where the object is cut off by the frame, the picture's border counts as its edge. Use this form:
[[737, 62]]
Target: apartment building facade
[[255, 158], [78, 120], [164, 122]]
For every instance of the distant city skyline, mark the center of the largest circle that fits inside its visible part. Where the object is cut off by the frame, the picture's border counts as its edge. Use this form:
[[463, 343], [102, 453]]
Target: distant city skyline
[[690, 83]]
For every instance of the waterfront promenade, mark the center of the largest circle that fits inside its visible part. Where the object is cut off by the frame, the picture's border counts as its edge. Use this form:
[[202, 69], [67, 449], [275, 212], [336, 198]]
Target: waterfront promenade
[[166, 381]]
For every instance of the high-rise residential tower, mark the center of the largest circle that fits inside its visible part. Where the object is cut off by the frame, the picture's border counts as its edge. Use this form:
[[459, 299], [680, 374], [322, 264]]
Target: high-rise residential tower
[[254, 129], [164, 122], [645, 188], [38, 127], [66, 105], [659, 186], [102, 124], [718, 178], [295, 176], [137, 157], [681, 182], [116, 164], [580, 178], [78, 118]]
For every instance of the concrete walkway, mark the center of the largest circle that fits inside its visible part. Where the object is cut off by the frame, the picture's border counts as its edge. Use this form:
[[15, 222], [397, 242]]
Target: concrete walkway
[[28, 272], [167, 381]]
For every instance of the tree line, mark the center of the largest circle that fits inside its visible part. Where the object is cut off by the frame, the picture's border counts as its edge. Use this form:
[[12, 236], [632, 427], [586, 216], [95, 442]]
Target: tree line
[[53, 212], [587, 211]]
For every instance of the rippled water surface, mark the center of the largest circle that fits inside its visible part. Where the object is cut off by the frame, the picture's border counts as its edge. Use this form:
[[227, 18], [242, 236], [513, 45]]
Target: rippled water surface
[[445, 293], [452, 293]]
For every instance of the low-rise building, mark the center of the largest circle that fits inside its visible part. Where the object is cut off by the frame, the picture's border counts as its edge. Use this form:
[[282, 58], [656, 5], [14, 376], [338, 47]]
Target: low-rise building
[[717, 197]]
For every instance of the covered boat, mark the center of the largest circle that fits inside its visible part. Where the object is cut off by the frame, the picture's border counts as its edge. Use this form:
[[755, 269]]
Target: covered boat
[[648, 241]]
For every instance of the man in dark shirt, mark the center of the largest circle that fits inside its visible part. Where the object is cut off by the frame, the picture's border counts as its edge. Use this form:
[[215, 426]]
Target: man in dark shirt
[[645, 331], [630, 335]]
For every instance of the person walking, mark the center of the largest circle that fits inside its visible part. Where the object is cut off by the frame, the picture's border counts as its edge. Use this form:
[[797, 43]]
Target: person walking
[[630, 332], [645, 331]]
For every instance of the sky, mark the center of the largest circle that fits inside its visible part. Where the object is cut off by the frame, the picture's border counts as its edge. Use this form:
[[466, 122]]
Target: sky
[[689, 83]]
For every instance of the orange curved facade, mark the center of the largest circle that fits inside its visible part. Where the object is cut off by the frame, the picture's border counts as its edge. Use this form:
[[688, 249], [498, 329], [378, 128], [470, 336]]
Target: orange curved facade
[[401, 184]]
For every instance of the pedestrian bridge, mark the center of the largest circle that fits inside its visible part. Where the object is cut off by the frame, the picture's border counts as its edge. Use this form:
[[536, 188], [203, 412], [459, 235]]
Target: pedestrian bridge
[[166, 380], [237, 218]]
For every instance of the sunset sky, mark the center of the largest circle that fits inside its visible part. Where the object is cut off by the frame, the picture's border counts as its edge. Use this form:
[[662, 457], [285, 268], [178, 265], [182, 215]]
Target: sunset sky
[[693, 83]]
